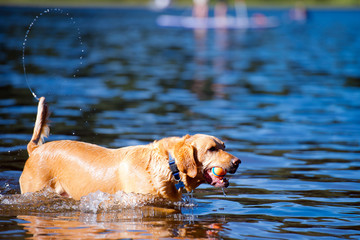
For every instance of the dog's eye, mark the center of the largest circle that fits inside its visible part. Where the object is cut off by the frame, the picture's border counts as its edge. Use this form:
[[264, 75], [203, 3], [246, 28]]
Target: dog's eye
[[212, 149]]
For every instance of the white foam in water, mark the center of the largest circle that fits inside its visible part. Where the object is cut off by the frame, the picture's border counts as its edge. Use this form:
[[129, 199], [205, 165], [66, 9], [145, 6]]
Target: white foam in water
[[100, 201], [49, 201], [43, 201], [91, 202], [72, 21]]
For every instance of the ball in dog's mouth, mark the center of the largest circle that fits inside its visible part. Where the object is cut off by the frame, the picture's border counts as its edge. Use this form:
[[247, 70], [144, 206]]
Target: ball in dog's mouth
[[214, 180]]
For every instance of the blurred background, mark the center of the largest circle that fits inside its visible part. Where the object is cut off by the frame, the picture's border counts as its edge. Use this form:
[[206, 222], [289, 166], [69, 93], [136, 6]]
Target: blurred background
[[345, 3]]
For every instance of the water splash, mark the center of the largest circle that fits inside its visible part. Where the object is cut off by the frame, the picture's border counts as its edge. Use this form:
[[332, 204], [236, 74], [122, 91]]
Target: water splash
[[42, 201], [104, 202], [223, 190], [47, 11], [188, 200], [49, 201]]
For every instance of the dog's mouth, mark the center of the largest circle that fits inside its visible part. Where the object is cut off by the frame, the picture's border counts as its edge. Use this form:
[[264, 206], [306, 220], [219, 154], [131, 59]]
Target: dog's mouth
[[214, 180]]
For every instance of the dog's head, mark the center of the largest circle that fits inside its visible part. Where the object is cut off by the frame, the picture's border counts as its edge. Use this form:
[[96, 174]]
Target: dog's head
[[197, 155]]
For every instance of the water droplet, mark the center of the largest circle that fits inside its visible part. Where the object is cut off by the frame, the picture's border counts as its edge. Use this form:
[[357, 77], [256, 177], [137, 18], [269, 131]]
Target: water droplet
[[70, 20], [223, 190]]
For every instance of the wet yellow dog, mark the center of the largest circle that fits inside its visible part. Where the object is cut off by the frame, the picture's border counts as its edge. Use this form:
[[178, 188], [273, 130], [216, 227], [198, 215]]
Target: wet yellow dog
[[162, 168]]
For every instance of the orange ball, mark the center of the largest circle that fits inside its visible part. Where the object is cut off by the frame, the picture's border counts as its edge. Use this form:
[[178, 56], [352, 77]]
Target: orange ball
[[218, 171]]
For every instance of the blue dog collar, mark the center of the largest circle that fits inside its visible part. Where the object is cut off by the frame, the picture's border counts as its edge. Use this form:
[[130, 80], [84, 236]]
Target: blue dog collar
[[175, 172]]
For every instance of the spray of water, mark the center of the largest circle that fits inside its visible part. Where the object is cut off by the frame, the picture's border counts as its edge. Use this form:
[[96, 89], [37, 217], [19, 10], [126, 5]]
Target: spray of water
[[72, 21], [223, 190]]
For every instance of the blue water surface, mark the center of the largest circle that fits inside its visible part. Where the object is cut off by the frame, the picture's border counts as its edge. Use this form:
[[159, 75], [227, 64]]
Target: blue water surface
[[285, 100]]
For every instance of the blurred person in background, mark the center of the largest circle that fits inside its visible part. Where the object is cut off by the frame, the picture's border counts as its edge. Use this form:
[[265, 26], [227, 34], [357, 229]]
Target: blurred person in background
[[200, 9]]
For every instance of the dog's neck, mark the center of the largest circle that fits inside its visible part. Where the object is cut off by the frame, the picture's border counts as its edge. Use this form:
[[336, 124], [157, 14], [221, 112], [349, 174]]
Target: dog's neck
[[170, 188], [165, 149], [175, 172]]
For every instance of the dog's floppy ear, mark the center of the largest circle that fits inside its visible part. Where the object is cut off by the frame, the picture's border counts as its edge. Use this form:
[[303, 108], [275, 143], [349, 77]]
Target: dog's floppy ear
[[184, 157]]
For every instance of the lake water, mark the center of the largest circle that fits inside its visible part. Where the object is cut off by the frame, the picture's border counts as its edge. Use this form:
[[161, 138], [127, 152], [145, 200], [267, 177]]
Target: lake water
[[286, 101]]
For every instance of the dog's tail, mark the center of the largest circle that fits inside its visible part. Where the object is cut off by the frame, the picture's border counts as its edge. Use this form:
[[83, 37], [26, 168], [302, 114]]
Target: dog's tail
[[41, 129]]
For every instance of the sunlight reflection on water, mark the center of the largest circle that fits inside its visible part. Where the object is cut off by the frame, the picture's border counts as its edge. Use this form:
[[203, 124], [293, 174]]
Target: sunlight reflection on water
[[285, 101]]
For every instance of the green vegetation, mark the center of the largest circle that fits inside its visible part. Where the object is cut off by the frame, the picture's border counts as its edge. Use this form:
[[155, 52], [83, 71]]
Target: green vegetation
[[281, 3]]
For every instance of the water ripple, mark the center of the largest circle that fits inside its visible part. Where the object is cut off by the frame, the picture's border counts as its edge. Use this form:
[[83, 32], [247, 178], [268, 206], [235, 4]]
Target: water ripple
[[285, 101]]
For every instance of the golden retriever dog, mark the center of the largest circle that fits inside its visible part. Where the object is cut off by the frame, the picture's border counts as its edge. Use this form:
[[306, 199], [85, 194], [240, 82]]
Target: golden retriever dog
[[162, 168]]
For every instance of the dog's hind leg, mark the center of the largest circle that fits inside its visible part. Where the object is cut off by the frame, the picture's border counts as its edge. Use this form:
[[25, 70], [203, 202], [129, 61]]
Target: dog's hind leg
[[32, 180]]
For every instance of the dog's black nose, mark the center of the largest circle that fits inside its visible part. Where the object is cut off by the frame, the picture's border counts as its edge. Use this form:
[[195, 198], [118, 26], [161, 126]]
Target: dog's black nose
[[236, 161], [234, 165]]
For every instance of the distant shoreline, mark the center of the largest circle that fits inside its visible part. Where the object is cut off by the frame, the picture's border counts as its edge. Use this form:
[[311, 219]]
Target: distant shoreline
[[180, 3]]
